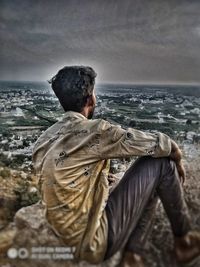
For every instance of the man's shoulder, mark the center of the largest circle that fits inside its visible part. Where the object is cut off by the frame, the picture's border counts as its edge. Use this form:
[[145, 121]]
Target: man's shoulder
[[46, 135], [102, 125]]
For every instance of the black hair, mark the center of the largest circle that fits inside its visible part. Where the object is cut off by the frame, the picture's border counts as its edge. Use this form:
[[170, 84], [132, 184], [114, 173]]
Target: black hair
[[73, 85]]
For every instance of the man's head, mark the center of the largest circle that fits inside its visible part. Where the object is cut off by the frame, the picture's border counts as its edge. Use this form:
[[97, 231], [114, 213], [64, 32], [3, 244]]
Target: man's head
[[74, 87]]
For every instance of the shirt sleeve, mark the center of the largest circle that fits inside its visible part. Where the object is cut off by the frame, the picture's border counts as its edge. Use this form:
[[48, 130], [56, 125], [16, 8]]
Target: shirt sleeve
[[116, 142]]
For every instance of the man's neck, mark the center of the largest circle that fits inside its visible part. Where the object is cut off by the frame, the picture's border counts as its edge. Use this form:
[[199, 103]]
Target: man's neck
[[84, 112]]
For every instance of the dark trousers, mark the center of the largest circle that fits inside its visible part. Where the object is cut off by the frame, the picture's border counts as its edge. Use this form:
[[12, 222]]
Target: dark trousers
[[131, 205]]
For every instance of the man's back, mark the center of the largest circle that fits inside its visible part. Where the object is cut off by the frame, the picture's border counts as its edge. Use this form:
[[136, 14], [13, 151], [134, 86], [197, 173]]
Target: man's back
[[73, 182]]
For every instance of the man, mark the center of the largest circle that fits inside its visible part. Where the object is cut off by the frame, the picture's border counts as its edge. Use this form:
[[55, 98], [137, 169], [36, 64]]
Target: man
[[72, 162]]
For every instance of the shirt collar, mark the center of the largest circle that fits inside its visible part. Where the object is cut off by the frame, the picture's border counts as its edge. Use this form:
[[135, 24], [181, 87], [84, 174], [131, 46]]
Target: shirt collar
[[75, 115]]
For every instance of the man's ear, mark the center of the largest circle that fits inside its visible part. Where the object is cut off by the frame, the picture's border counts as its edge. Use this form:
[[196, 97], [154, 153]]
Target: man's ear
[[90, 101]]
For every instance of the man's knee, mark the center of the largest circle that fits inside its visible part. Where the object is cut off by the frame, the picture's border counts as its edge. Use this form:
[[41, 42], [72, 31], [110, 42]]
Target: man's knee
[[163, 165], [169, 174], [149, 160], [169, 165]]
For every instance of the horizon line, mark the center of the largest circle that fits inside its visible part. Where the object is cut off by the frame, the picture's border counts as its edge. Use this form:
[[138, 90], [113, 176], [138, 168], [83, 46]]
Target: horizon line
[[121, 83]]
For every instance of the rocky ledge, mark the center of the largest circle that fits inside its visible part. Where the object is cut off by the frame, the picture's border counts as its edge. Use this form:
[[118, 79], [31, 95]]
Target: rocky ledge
[[30, 241]]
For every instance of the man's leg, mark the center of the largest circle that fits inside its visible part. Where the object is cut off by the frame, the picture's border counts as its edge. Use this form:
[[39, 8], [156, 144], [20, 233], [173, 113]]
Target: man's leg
[[127, 203], [138, 239]]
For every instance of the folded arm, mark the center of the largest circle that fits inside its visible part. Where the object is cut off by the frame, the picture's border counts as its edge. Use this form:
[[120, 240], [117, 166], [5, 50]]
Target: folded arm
[[119, 143]]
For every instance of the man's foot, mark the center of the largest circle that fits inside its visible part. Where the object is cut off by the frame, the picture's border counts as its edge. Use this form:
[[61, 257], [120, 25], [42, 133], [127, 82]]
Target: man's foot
[[187, 248], [131, 259]]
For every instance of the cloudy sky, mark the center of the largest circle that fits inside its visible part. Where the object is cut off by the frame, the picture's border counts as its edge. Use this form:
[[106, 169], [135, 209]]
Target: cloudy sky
[[132, 41]]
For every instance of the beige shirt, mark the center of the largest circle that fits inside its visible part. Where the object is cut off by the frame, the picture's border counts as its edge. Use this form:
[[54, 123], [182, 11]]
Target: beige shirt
[[72, 161]]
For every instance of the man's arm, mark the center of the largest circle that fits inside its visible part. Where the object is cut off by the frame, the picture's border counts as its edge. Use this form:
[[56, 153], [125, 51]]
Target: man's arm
[[116, 142]]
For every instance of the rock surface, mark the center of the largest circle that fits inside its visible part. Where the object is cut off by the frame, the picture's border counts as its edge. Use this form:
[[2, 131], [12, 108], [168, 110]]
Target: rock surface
[[36, 243]]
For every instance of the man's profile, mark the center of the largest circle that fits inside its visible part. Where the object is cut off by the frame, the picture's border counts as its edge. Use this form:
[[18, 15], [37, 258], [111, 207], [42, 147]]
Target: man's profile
[[72, 162]]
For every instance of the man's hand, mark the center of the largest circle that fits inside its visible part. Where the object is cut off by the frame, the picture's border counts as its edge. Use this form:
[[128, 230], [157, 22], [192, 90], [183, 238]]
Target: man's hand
[[112, 179], [176, 156], [176, 153], [181, 172]]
